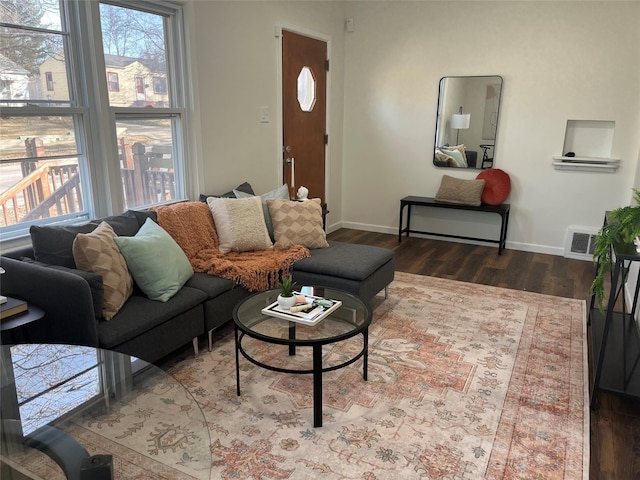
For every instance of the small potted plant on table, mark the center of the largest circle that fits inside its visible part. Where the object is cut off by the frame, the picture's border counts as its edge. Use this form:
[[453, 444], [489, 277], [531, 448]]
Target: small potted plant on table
[[286, 299]]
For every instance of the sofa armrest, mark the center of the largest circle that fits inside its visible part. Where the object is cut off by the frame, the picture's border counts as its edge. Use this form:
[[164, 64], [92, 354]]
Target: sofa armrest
[[65, 298]]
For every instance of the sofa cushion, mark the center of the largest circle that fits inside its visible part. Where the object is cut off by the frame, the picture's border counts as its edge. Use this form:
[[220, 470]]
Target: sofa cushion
[[345, 260], [243, 187], [140, 314], [212, 285], [280, 192], [97, 252], [53, 244], [240, 224], [156, 262], [128, 224], [297, 223]]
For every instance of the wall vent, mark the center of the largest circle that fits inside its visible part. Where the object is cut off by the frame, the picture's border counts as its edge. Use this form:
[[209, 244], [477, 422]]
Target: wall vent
[[580, 243]]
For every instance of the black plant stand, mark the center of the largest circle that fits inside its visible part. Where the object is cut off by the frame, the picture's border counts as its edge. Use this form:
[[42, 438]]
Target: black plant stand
[[615, 335]]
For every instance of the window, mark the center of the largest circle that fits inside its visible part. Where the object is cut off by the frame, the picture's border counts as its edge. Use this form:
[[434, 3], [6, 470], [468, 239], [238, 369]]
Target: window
[[49, 78], [55, 165], [147, 137], [159, 85], [306, 89], [112, 82], [43, 160], [51, 380]]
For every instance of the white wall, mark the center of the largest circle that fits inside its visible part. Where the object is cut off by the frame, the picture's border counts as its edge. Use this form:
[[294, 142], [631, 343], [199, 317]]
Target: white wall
[[559, 61], [237, 73]]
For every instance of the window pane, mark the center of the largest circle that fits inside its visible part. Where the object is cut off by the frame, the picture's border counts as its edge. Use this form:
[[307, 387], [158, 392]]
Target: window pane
[[32, 67], [56, 367], [306, 89], [33, 185], [40, 14], [147, 161], [134, 54], [29, 137]]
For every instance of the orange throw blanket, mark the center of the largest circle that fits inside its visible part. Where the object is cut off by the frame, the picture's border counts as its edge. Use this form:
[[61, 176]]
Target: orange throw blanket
[[191, 226]]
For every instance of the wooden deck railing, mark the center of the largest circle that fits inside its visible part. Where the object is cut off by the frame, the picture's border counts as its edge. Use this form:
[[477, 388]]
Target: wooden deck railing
[[48, 191], [54, 189]]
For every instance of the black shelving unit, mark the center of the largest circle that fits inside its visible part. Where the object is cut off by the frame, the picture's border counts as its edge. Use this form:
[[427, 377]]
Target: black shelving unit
[[615, 335]]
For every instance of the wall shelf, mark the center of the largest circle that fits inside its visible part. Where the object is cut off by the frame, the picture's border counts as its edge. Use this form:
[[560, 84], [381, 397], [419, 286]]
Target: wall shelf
[[592, 140], [586, 164]]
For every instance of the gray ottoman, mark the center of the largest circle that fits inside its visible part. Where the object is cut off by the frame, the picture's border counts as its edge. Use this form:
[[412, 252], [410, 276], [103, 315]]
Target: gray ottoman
[[361, 270]]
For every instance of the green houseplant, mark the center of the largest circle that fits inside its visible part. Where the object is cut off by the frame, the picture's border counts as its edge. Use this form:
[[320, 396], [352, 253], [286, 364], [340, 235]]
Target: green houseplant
[[286, 299], [622, 227]]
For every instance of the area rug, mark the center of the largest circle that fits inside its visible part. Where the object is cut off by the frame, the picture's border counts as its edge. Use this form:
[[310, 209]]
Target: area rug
[[464, 382]]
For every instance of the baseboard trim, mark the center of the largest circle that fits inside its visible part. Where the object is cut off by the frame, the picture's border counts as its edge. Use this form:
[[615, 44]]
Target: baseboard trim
[[525, 247]]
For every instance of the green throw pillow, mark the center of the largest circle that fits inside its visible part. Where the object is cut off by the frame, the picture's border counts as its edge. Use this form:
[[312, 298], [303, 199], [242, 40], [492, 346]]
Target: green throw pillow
[[457, 156], [156, 261]]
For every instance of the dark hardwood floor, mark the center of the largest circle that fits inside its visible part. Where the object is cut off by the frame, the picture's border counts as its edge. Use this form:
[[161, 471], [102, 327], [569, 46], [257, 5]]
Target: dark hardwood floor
[[615, 425]]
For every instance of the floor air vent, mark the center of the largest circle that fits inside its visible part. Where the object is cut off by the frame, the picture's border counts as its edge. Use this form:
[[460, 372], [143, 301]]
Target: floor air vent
[[580, 243]]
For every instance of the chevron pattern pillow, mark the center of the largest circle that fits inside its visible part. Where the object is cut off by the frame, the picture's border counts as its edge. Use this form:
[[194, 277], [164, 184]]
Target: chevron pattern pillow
[[97, 252], [297, 223]]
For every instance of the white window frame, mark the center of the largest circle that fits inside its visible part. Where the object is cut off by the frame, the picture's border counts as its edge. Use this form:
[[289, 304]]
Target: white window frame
[[176, 65], [97, 138]]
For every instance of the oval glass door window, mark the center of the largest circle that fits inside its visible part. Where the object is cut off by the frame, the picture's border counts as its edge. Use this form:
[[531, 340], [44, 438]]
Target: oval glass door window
[[306, 89]]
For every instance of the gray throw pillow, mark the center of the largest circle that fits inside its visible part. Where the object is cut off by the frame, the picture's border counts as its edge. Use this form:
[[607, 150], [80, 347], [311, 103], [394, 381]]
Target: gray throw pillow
[[53, 244], [243, 187]]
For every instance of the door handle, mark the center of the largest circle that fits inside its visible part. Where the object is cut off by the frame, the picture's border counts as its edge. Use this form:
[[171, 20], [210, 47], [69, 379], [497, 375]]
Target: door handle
[[292, 162]]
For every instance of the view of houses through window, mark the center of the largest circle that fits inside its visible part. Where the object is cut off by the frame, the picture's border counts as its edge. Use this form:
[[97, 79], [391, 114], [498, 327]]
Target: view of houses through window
[[48, 164]]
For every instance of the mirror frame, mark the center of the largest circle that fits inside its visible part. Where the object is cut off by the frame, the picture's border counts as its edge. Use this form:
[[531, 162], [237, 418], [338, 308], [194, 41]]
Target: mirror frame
[[479, 154]]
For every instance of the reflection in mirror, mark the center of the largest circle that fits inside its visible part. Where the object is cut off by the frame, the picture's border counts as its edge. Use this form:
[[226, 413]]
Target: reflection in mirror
[[467, 121]]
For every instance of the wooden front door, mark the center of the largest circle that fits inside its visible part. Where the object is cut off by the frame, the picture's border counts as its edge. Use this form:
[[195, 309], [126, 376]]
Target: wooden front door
[[304, 107]]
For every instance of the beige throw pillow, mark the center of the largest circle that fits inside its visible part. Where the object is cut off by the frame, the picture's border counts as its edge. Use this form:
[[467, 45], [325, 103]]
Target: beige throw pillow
[[97, 252], [297, 223], [240, 224], [456, 190]]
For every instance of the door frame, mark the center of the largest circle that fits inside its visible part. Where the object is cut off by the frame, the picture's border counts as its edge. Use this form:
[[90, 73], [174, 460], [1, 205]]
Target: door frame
[[327, 158]]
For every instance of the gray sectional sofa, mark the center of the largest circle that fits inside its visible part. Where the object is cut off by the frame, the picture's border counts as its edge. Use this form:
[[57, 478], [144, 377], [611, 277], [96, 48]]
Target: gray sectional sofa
[[44, 274]]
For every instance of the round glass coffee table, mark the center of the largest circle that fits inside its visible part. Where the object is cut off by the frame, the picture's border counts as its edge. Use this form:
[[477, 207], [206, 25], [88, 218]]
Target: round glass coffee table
[[352, 318]]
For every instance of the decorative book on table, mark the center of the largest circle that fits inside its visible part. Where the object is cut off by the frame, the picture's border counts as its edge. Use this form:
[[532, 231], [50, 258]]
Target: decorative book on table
[[12, 307], [309, 310]]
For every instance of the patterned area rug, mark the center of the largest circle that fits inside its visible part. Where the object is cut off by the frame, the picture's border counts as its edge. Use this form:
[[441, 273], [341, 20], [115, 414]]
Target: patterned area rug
[[465, 382]]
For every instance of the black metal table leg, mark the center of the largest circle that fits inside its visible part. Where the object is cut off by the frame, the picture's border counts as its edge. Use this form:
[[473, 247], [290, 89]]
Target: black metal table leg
[[237, 361], [317, 385], [400, 222], [292, 336], [365, 360]]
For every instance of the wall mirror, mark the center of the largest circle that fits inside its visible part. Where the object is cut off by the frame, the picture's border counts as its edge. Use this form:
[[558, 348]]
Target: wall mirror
[[468, 112]]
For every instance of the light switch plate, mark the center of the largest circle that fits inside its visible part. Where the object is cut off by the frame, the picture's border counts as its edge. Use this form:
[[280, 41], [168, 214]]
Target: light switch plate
[[265, 116]]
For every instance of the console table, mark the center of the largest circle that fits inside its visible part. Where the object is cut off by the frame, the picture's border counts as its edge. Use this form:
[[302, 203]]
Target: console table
[[411, 201]]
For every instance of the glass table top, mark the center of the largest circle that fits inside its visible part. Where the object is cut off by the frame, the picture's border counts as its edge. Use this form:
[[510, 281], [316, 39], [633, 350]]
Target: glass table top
[[90, 399], [351, 317]]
